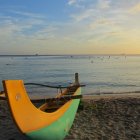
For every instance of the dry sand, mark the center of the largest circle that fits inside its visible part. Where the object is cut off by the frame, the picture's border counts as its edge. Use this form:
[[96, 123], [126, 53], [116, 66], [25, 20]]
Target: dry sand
[[101, 118]]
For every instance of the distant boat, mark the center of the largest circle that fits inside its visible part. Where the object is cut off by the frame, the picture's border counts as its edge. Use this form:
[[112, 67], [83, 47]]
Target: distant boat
[[51, 121]]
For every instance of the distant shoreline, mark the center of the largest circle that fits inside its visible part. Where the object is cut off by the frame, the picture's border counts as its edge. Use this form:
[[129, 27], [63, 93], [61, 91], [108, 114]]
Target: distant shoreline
[[36, 55]]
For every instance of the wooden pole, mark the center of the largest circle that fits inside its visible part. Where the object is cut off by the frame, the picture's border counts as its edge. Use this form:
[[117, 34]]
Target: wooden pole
[[76, 79]]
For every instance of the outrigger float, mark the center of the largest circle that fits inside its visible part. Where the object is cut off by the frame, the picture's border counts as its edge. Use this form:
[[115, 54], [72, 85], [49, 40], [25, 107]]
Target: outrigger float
[[51, 121]]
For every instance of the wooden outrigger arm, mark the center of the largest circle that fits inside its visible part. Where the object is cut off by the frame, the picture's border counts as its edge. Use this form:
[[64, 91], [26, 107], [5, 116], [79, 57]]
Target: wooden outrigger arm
[[62, 98]]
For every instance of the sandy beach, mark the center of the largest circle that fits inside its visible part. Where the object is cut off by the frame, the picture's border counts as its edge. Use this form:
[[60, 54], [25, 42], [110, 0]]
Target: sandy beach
[[99, 118]]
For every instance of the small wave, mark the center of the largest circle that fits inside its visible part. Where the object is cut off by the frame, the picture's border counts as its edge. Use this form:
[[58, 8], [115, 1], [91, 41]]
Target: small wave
[[110, 84], [113, 93]]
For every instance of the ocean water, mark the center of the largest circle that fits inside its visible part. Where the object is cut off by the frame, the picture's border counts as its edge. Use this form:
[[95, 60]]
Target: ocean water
[[100, 74]]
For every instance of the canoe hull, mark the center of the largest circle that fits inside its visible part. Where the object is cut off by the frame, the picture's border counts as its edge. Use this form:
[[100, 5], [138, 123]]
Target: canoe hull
[[35, 123], [60, 128]]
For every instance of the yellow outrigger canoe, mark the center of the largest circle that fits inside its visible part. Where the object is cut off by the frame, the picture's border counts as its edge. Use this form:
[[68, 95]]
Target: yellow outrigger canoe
[[41, 123]]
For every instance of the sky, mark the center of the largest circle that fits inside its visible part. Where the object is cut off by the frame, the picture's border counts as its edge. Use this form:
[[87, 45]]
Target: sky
[[69, 27]]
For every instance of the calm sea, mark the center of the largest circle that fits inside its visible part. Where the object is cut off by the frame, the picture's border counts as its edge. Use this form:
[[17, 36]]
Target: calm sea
[[100, 74]]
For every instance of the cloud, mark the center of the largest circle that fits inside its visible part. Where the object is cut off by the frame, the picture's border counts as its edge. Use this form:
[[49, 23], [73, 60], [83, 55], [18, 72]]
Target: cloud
[[84, 15], [104, 4], [71, 2], [45, 33], [135, 9], [12, 26], [102, 23], [80, 4], [91, 9], [27, 14]]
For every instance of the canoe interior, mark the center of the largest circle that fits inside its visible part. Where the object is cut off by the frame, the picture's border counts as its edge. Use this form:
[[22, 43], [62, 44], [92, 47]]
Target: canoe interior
[[55, 105]]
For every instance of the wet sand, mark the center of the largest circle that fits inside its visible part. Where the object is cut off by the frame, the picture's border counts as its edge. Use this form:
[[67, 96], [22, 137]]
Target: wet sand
[[99, 118]]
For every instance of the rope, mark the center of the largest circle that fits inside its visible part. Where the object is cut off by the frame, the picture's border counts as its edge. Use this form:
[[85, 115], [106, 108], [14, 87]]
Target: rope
[[51, 86]]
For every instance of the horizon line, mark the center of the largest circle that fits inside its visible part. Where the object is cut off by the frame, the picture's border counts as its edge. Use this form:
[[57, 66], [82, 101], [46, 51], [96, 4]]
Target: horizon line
[[120, 54]]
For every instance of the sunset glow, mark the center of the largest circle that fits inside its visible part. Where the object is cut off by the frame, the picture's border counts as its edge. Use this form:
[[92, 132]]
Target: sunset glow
[[70, 27]]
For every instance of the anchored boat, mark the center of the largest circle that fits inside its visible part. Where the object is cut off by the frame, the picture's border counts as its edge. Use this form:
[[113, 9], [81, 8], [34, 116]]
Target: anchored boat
[[51, 121]]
